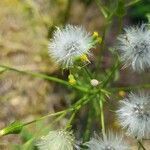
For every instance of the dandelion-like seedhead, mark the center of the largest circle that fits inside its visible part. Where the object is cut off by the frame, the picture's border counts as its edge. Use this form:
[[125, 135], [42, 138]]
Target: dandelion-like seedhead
[[134, 46], [108, 142], [57, 140], [68, 44], [134, 115]]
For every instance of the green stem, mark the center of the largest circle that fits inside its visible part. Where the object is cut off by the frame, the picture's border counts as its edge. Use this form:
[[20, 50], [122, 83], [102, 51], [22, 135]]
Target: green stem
[[103, 38], [46, 77], [102, 46], [141, 145], [58, 118], [76, 106], [49, 115], [102, 115], [102, 8], [87, 72], [120, 20], [67, 12], [68, 126], [132, 3], [101, 108], [89, 122], [106, 81]]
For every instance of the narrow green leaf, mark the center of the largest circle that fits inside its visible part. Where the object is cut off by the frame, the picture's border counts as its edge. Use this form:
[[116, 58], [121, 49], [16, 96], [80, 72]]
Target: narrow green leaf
[[132, 3], [104, 10]]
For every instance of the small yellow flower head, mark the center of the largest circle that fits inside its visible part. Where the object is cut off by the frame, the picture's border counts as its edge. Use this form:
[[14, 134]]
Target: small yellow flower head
[[122, 93], [97, 38], [95, 35], [71, 79], [84, 58], [94, 82]]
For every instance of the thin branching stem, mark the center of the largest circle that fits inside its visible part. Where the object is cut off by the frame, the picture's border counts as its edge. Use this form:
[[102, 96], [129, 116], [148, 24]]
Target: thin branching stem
[[109, 77], [104, 10], [132, 3], [87, 72], [84, 100], [76, 106], [141, 145], [67, 12], [68, 126], [102, 115], [89, 122], [47, 77]]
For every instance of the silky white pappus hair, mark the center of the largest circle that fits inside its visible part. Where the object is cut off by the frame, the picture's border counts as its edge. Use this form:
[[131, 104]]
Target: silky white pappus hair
[[69, 43], [57, 140], [110, 141], [134, 46], [134, 115]]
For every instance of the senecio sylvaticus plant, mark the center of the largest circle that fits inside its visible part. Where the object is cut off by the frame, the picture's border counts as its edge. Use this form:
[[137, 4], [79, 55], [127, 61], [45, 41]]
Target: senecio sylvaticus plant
[[71, 49]]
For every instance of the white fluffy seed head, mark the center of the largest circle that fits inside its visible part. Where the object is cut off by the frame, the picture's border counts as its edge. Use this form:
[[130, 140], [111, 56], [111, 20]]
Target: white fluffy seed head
[[134, 46], [134, 115], [57, 140], [108, 142], [69, 43]]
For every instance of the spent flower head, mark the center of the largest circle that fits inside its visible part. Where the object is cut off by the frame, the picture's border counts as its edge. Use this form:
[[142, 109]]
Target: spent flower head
[[57, 140], [70, 43], [110, 141], [134, 115], [134, 46]]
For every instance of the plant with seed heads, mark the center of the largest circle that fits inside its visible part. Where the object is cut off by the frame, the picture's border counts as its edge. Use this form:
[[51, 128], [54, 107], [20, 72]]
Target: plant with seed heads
[[70, 47]]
